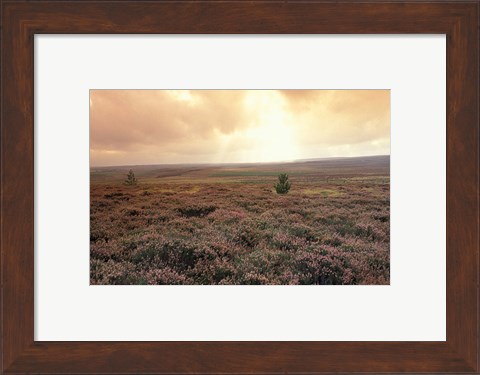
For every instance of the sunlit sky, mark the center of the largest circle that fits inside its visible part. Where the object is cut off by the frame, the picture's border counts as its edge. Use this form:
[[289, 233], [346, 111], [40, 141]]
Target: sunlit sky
[[134, 127]]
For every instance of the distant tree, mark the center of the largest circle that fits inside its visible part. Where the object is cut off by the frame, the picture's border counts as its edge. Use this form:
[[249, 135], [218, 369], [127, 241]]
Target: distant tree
[[131, 180], [282, 186]]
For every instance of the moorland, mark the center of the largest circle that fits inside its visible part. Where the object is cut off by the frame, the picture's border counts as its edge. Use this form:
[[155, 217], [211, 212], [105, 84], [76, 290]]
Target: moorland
[[210, 224]]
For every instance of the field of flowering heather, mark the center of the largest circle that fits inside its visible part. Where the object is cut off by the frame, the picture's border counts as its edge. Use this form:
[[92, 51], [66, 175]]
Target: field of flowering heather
[[225, 224]]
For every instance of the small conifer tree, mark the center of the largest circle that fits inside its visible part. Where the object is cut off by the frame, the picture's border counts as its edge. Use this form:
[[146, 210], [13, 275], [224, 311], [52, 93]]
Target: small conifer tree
[[282, 186], [131, 180]]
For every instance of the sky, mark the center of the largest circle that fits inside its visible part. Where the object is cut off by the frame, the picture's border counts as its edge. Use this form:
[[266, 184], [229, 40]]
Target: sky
[[140, 127]]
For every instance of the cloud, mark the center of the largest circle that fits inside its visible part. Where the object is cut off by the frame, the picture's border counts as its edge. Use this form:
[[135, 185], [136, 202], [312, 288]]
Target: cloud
[[339, 117], [126, 119], [162, 126]]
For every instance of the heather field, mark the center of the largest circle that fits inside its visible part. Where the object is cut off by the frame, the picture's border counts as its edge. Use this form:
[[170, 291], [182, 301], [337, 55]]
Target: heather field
[[225, 224]]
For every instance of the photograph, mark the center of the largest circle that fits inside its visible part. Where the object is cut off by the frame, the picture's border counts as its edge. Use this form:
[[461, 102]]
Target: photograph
[[239, 187]]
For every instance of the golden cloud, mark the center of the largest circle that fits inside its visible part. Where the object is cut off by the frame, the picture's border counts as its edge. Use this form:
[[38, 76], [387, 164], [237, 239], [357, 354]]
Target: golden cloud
[[182, 126]]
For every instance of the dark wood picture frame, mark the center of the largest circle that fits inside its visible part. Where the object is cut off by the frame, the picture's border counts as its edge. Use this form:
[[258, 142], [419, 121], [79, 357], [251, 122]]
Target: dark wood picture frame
[[21, 20]]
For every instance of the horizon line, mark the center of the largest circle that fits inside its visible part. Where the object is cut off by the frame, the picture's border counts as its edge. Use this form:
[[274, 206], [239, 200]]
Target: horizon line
[[230, 163]]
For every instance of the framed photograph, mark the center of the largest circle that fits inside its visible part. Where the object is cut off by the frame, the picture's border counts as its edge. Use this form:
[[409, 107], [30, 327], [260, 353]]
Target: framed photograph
[[240, 187]]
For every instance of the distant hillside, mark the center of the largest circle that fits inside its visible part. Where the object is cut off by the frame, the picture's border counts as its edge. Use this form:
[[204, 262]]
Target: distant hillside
[[332, 167]]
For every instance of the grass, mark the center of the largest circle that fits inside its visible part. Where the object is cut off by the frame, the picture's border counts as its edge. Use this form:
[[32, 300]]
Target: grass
[[250, 173], [323, 192]]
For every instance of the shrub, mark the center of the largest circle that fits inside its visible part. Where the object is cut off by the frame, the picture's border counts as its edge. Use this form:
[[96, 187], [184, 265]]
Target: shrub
[[282, 186], [239, 232], [131, 179], [322, 266], [196, 211]]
